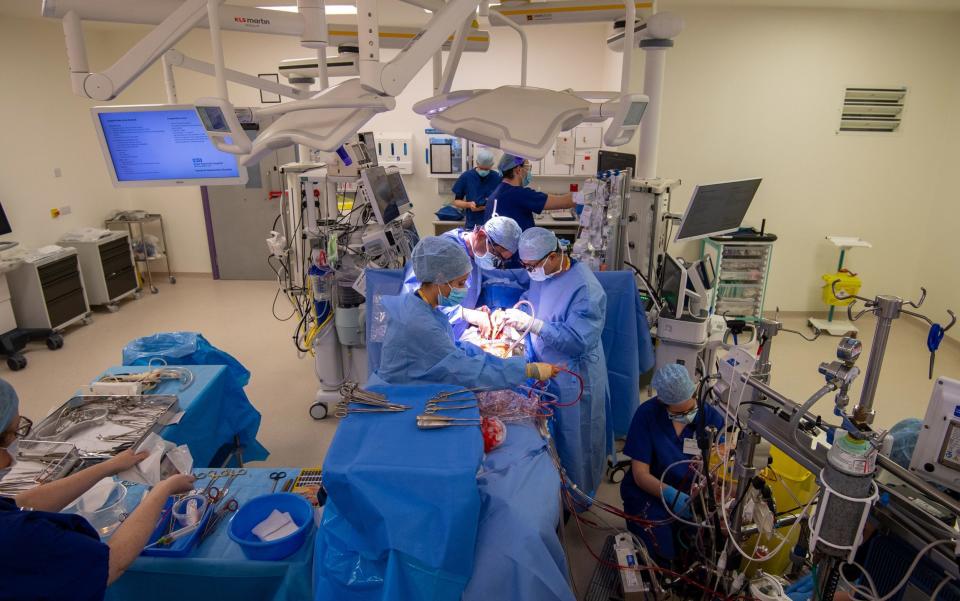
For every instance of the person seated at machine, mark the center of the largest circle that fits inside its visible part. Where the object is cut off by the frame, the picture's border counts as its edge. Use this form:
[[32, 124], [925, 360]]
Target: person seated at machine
[[473, 187], [49, 555], [570, 308], [487, 246], [419, 346], [662, 434], [515, 198]]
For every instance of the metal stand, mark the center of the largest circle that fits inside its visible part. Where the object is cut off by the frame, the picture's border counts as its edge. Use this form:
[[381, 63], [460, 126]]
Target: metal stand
[[143, 262]]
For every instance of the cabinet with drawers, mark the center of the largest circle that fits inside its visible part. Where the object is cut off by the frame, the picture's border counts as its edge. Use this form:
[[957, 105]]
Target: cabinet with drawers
[[48, 292], [108, 269]]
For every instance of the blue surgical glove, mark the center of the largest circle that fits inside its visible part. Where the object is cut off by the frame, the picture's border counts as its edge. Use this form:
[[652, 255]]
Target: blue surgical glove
[[801, 590], [678, 502]]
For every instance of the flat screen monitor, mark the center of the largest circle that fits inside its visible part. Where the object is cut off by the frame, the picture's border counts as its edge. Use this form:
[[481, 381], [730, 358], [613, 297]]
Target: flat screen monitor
[[717, 209], [387, 193], [672, 286], [608, 160], [4, 223], [162, 145]]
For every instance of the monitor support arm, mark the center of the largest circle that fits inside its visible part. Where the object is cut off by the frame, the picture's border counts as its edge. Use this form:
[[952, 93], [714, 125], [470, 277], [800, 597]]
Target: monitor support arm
[[175, 58]]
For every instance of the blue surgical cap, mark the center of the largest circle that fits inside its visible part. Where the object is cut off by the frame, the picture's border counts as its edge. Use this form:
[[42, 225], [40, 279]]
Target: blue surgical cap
[[503, 231], [536, 243], [509, 161], [673, 384], [439, 260], [9, 404], [485, 157], [905, 434]]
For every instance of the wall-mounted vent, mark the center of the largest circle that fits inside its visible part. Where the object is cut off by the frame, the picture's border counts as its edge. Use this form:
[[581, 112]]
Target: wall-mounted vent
[[872, 109]]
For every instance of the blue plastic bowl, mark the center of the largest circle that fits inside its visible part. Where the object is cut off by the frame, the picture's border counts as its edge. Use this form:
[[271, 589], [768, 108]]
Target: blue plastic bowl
[[258, 509]]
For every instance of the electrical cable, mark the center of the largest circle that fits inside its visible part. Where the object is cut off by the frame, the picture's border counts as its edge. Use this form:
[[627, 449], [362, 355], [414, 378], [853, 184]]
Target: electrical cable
[[940, 587]]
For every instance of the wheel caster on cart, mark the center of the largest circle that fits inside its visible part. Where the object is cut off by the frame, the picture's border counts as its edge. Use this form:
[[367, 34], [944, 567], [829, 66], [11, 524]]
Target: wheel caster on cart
[[173, 279], [54, 341], [87, 320], [112, 307], [617, 473], [154, 290], [138, 294], [319, 411], [16, 362]]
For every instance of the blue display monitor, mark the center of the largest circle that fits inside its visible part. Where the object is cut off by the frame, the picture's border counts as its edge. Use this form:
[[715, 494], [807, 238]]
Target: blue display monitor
[[162, 145]]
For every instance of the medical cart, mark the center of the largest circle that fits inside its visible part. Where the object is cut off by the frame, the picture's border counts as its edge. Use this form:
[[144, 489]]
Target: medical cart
[[742, 271], [141, 253]]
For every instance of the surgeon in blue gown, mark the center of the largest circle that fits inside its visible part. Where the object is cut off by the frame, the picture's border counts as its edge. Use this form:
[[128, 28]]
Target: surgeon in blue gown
[[489, 247], [662, 433], [570, 307], [51, 556], [419, 347]]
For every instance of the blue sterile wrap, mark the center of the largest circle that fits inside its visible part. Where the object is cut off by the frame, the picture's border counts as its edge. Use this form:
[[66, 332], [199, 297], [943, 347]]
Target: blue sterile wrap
[[215, 411], [403, 506], [183, 348]]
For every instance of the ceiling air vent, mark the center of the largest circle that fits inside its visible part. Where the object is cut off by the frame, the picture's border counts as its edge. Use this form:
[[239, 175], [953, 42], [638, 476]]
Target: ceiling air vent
[[872, 109]]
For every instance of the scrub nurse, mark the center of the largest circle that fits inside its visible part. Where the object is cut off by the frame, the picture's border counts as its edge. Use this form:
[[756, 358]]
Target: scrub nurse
[[570, 308], [663, 432], [51, 556], [419, 347], [473, 187], [515, 199], [487, 247]]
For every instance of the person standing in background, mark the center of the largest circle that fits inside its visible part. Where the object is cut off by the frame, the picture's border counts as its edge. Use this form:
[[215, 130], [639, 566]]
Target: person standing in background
[[474, 186]]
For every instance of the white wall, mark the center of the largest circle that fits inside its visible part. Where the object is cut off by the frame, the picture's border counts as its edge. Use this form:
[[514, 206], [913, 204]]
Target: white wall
[[46, 127], [582, 47], [757, 92]]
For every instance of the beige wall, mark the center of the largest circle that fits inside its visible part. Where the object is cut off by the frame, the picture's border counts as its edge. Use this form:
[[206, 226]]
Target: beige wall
[[46, 127], [757, 92]]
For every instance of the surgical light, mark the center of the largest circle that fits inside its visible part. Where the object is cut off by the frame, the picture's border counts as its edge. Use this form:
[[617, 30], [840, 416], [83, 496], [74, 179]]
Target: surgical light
[[330, 9]]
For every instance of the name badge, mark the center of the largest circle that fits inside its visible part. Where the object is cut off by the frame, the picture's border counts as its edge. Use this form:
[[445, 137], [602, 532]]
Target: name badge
[[690, 446]]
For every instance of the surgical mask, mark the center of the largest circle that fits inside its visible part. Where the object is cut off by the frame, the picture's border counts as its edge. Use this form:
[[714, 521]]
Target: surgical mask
[[457, 296], [684, 418], [483, 172], [486, 261], [527, 178], [539, 274]]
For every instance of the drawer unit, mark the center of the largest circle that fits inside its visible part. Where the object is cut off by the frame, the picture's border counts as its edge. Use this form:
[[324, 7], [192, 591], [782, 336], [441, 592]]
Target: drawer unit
[[741, 282], [48, 292], [108, 268]]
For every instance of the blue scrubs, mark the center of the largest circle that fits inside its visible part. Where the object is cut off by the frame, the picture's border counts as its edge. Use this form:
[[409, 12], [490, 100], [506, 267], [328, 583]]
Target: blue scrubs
[[419, 348], [653, 440], [49, 556], [573, 306], [454, 314], [516, 202], [473, 187]]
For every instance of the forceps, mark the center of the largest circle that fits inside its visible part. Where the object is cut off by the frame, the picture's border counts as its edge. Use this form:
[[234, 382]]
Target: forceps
[[343, 409], [433, 422]]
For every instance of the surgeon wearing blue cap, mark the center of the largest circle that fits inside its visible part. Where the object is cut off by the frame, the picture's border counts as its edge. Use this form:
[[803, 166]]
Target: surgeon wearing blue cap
[[419, 346], [515, 198], [474, 186], [56, 556], [663, 433], [570, 307], [488, 247]]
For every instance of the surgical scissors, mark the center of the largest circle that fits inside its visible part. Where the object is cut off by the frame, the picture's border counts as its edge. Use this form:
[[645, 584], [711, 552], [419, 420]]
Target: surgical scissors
[[277, 477]]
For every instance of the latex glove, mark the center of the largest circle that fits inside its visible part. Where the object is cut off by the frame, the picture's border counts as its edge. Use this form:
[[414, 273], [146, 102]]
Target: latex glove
[[480, 319], [678, 502], [802, 589], [541, 371], [578, 198], [520, 321], [125, 460], [176, 484]]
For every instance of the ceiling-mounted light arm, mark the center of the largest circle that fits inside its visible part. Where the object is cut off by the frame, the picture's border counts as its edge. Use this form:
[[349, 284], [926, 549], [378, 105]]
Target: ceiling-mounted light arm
[[453, 57], [495, 15], [216, 46], [430, 5], [324, 103], [175, 58], [169, 82], [316, 35], [107, 84], [391, 79], [437, 71], [628, 41], [368, 38]]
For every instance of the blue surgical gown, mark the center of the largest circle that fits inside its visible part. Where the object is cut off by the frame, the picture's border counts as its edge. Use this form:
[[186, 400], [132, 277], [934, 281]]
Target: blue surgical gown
[[572, 306], [454, 314], [419, 348], [654, 440], [49, 556]]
